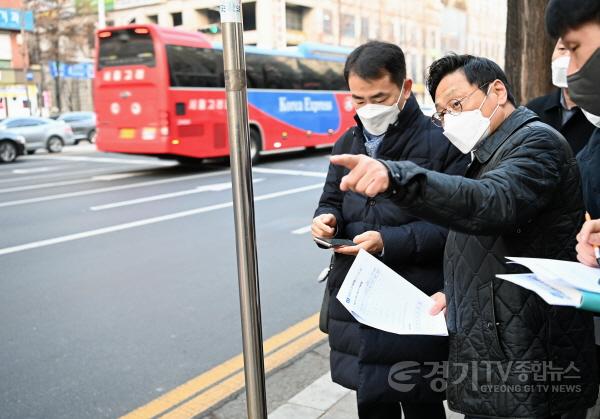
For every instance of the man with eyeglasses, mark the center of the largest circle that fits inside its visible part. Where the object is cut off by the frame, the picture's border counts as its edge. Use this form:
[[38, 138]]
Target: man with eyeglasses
[[511, 354]]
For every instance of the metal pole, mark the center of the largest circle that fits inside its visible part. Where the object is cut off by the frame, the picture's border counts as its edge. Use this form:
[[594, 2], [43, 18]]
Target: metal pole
[[243, 204]]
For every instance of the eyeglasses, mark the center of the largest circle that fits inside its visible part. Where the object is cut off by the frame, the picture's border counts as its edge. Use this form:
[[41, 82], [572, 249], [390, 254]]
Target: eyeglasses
[[453, 107]]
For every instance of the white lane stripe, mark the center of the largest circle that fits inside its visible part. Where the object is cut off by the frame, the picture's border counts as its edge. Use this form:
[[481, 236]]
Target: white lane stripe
[[110, 160], [109, 189], [215, 187], [302, 230], [289, 172], [65, 174], [119, 176], [37, 170], [72, 182], [144, 222]]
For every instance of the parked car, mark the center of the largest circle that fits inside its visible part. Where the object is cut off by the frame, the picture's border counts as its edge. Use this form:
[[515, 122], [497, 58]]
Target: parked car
[[83, 125], [40, 132], [11, 146]]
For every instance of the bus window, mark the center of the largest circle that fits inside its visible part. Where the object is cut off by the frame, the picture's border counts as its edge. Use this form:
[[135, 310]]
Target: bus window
[[195, 67], [126, 47], [282, 73], [334, 76], [254, 71]]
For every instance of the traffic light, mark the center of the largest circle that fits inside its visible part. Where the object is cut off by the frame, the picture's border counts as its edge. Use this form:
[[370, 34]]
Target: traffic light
[[212, 29]]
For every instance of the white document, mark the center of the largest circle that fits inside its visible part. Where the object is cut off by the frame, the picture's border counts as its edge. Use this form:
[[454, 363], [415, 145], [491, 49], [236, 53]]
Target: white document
[[378, 297], [554, 293], [575, 274]]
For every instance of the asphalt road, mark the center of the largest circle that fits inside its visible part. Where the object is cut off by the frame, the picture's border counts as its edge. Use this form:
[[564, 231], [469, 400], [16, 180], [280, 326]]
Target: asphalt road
[[118, 278]]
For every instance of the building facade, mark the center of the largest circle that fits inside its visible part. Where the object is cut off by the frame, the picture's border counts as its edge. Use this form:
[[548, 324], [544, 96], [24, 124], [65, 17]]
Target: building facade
[[425, 29], [18, 93]]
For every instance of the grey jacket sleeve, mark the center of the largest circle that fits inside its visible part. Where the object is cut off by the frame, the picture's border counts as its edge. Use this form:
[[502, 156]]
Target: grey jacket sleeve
[[508, 195]]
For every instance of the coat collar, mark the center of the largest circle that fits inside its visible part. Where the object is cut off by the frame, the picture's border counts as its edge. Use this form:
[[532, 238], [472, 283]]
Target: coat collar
[[553, 100], [515, 120]]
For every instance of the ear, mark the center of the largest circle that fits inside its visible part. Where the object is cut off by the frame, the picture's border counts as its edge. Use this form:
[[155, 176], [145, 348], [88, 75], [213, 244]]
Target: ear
[[499, 89], [407, 88]]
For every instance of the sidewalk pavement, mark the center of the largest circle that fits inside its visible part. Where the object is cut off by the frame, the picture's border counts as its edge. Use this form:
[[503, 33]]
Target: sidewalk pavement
[[324, 399], [300, 389]]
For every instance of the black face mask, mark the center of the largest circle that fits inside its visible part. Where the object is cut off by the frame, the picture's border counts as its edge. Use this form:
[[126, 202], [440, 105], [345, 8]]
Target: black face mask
[[584, 86]]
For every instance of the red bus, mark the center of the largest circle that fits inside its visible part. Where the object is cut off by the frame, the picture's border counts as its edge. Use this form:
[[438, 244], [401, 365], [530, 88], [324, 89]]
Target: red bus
[[160, 91]]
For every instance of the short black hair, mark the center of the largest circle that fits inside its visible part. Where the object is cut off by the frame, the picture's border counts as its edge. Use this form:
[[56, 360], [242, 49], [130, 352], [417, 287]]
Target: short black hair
[[479, 71], [563, 15], [372, 60]]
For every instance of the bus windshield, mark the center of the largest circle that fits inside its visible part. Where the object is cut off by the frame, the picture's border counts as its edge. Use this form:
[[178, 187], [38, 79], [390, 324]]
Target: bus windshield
[[126, 47]]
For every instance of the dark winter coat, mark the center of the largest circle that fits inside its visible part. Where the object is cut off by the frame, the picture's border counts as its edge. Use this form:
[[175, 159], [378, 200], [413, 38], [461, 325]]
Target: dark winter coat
[[361, 357], [577, 130], [521, 197], [589, 166]]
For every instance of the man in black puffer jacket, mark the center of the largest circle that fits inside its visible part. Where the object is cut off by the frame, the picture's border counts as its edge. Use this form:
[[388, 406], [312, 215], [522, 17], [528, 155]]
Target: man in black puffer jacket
[[511, 354], [391, 126]]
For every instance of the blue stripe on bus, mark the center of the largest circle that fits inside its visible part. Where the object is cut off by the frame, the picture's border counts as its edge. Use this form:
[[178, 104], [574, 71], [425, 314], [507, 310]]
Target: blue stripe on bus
[[316, 112]]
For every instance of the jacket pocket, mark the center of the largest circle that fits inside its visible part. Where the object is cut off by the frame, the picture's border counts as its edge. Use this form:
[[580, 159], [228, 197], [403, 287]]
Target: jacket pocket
[[489, 326]]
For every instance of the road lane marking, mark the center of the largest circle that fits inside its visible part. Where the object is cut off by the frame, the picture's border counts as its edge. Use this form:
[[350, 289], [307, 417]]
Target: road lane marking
[[73, 173], [73, 182], [289, 172], [107, 189], [227, 373], [110, 160], [119, 176], [215, 187], [102, 190], [37, 170], [225, 389], [146, 221], [302, 230]]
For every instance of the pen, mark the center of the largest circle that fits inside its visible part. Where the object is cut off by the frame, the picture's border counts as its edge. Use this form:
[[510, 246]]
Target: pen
[[596, 249]]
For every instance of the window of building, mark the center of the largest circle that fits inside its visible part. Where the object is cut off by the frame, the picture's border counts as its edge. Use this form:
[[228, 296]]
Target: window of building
[[5, 47], [177, 18], [293, 17], [348, 25], [212, 16], [153, 19], [249, 16], [364, 28], [327, 22]]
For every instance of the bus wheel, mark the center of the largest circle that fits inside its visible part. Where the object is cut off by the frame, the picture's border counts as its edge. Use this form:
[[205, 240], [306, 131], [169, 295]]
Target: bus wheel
[[255, 145]]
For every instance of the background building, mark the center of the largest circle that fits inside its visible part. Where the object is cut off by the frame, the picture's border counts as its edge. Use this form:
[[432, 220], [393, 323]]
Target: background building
[[18, 93], [425, 29]]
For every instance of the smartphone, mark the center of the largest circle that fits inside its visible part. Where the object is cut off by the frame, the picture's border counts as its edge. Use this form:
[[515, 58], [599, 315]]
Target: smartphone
[[330, 243]]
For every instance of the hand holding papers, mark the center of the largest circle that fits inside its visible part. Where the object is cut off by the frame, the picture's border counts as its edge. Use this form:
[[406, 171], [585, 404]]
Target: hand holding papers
[[560, 282], [378, 297]]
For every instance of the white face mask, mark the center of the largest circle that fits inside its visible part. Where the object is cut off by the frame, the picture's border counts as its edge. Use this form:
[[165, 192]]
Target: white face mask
[[377, 118], [467, 129], [559, 71], [594, 119]]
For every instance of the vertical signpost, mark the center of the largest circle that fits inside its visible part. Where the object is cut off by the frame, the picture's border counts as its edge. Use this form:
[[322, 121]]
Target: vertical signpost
[[243, 205]]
